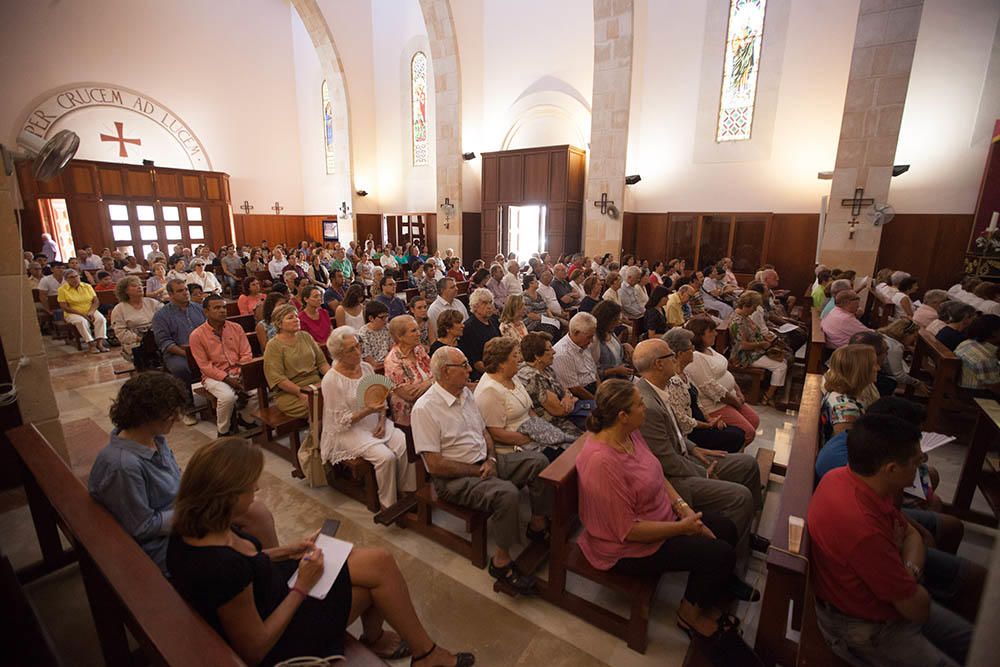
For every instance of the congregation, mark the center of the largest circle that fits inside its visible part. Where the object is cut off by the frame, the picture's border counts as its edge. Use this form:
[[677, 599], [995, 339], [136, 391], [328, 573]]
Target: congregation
[[495, 373]]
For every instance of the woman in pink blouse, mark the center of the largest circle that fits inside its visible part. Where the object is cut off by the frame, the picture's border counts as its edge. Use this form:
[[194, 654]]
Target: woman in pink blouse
[[635, 523], [252, 296], [408, 366], [314, 318]]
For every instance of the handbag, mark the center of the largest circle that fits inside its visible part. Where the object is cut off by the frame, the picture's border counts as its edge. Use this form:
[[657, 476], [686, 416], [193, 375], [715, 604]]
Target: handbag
[[542, 432], [583, 408]]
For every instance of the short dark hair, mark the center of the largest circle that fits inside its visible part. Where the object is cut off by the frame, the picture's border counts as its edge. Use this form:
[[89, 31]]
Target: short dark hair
[[445, 320], [195, 287], [249, 281], [898, 407], [149, 396], [533, 345], [210, 298], [699, 326], [906, 284], [373, 309], [983, 328], [659, 293], [824, 276], [386, 277], [872, 339], [877, 439], [443, 282]]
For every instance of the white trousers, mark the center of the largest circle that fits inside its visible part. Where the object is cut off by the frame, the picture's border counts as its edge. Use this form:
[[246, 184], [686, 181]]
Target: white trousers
[[392, 470], [226, 397], [779, 369], [82, 325]]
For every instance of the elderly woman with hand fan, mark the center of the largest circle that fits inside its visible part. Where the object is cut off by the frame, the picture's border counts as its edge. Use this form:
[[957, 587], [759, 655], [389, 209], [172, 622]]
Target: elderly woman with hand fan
[[354, 420], [408, 366]]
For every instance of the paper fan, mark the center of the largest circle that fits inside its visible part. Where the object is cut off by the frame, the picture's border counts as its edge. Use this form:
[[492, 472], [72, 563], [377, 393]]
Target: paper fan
[[373, 390]]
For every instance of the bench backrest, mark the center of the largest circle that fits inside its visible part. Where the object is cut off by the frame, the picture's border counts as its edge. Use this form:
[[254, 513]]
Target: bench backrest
[[168, 630], [246, 322], [817, 344], [252, 373], [882, 310], [932, 356]]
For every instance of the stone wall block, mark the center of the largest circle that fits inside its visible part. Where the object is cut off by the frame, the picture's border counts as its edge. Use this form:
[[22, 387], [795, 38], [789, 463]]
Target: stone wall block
[[891, 90], [903, 24], [871, 29], [860, 94], [21, 335]]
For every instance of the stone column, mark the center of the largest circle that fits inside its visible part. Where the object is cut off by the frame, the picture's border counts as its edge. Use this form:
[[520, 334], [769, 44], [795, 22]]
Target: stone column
[[873, 110], [19, 329], [448, 121], [613, 29]]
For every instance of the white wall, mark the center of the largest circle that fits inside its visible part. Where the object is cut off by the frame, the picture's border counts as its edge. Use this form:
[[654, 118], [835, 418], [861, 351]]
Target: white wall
[[667, 78], [226, 70], [938, 137]]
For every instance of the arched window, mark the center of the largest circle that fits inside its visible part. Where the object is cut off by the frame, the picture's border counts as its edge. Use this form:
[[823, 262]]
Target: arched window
[[739, 71], [418, 115], [328, 127]]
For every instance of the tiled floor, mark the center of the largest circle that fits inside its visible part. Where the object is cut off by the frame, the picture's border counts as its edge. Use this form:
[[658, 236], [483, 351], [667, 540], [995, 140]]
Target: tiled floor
[[455, 599]]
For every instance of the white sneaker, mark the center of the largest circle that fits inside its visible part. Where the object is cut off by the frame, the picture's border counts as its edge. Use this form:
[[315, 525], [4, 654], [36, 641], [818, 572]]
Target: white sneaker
[[189, 419]]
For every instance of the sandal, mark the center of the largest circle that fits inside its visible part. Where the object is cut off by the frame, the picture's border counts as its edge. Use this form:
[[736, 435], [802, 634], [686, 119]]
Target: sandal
[[538, 535], [726, 623], [523, 584], [461, 659], [402, 649]]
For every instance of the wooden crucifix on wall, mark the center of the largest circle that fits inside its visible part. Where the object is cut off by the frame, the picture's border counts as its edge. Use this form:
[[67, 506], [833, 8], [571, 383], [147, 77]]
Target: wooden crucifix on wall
[[604, 203], [277, 208], [247, 207]]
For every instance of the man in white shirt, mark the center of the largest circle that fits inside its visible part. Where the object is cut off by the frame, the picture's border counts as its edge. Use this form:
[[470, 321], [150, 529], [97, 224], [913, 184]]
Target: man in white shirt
[[49, 248], [276, 267], [574, 363], [154, 254], [89, 260], [512, 279], [447, 299], [549, 293], [451, 436], [627, 295], [49, 285]]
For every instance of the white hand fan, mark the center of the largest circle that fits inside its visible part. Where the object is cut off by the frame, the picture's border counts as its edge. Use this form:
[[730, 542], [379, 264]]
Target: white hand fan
[[373, 390]]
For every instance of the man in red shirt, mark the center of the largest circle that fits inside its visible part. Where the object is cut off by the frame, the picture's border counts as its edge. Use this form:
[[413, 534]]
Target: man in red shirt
[[867, 560], [219, 346]]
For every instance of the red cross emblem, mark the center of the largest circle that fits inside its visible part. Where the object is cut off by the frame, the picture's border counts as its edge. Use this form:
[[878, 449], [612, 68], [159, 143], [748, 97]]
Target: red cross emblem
[[120, 127]]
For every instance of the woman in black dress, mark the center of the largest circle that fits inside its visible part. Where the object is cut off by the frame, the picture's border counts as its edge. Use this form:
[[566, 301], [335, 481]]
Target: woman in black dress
[[242, 590]]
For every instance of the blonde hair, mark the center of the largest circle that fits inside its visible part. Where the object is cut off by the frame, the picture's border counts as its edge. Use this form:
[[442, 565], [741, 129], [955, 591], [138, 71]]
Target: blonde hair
[[850, 369], [212, 482], [900, 328], [121, 289], [280, 312], [514, 303], [749, 299]]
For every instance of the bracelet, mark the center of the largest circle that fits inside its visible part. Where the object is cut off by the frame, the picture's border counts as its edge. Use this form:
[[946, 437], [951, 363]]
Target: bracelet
[[677, 504], [296, 589]]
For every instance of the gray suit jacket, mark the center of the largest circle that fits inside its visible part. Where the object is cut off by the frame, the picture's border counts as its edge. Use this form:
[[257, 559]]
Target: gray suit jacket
[[663, 436]]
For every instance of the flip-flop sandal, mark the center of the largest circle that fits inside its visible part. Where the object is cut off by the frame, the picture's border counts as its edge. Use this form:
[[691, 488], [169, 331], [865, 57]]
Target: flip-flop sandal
[[402, 649]]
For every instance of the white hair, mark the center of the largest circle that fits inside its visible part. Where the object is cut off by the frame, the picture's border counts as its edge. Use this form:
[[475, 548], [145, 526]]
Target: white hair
[[583, 323], [480, 295], [335, 342], [440, 359], [633, 272]]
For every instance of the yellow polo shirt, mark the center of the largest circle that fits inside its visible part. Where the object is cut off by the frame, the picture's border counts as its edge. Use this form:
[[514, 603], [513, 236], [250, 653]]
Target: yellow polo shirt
[[78, 299]]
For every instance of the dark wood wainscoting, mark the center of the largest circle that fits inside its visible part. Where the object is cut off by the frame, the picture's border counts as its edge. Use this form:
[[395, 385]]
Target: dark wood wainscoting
[[931, 246]]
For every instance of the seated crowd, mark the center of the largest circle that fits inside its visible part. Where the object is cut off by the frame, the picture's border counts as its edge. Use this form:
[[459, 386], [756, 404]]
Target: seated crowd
[[495, 374]]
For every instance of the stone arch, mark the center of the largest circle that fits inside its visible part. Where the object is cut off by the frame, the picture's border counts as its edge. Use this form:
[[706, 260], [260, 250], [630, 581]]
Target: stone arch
[[549, 105], [448, 115], [333, 72]]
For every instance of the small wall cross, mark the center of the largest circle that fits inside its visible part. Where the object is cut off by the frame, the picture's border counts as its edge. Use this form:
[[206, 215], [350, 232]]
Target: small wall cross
[[277, 208], [247, 207], [852, 223], [604, 203]]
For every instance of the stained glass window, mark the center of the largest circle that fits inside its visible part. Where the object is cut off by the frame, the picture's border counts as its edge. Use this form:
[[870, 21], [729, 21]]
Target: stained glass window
[[328, 127], [739, 73], [418, 95]]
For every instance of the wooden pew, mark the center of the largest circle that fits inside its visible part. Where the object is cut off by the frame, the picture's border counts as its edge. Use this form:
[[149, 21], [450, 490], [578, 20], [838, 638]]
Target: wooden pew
[[933, 361], [473, 548], [882, 310], [787, 589], [817, 345], [354, 478], [245, 321], [274, 422], [565, 557], [125, 589], [232, 309], [62, 330]]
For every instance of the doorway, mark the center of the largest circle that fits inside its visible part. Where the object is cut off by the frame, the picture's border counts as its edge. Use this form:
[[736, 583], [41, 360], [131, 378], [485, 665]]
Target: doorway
[[55, 222], [525, 231]]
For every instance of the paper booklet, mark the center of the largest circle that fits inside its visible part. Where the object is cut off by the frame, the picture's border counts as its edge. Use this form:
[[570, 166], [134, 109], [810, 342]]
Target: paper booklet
[[788, 326], [551, 321], [335, 554], [931, 441], [861, 283]]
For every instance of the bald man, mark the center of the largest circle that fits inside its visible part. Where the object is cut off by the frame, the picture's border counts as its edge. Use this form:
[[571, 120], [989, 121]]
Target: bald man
[[709, 480]]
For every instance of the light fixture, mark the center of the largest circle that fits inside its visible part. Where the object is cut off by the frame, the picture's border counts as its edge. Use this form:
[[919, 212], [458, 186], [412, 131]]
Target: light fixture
[[825, 175], [633, 179], [900, 169], [361, 193], [471, 155], [449, 211]]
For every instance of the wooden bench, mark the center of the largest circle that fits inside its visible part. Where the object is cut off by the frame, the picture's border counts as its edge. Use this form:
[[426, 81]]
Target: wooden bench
[[473, 548], [233, 309], [125, 589], [211, 402], [933, 361], [274, 422], [882, 310], [62, 330], [755, 376], [565, 557], [786, 601], [355, 477], [246, 322], [816, 352]]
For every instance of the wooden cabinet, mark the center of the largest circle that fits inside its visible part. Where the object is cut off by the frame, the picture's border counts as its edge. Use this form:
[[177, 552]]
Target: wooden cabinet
[[550, 176]]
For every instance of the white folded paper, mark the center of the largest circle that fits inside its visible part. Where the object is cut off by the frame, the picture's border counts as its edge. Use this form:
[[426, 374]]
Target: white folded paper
[[551, 321], [929, 441], [788, 326], [335, 553]]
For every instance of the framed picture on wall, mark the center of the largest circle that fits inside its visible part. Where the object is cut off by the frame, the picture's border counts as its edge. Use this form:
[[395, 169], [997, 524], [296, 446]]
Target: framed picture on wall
[[331, 230]]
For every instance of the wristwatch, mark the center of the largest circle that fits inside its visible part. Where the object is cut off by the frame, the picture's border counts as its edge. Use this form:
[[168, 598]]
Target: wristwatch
[[914, 569], [492, 458]]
